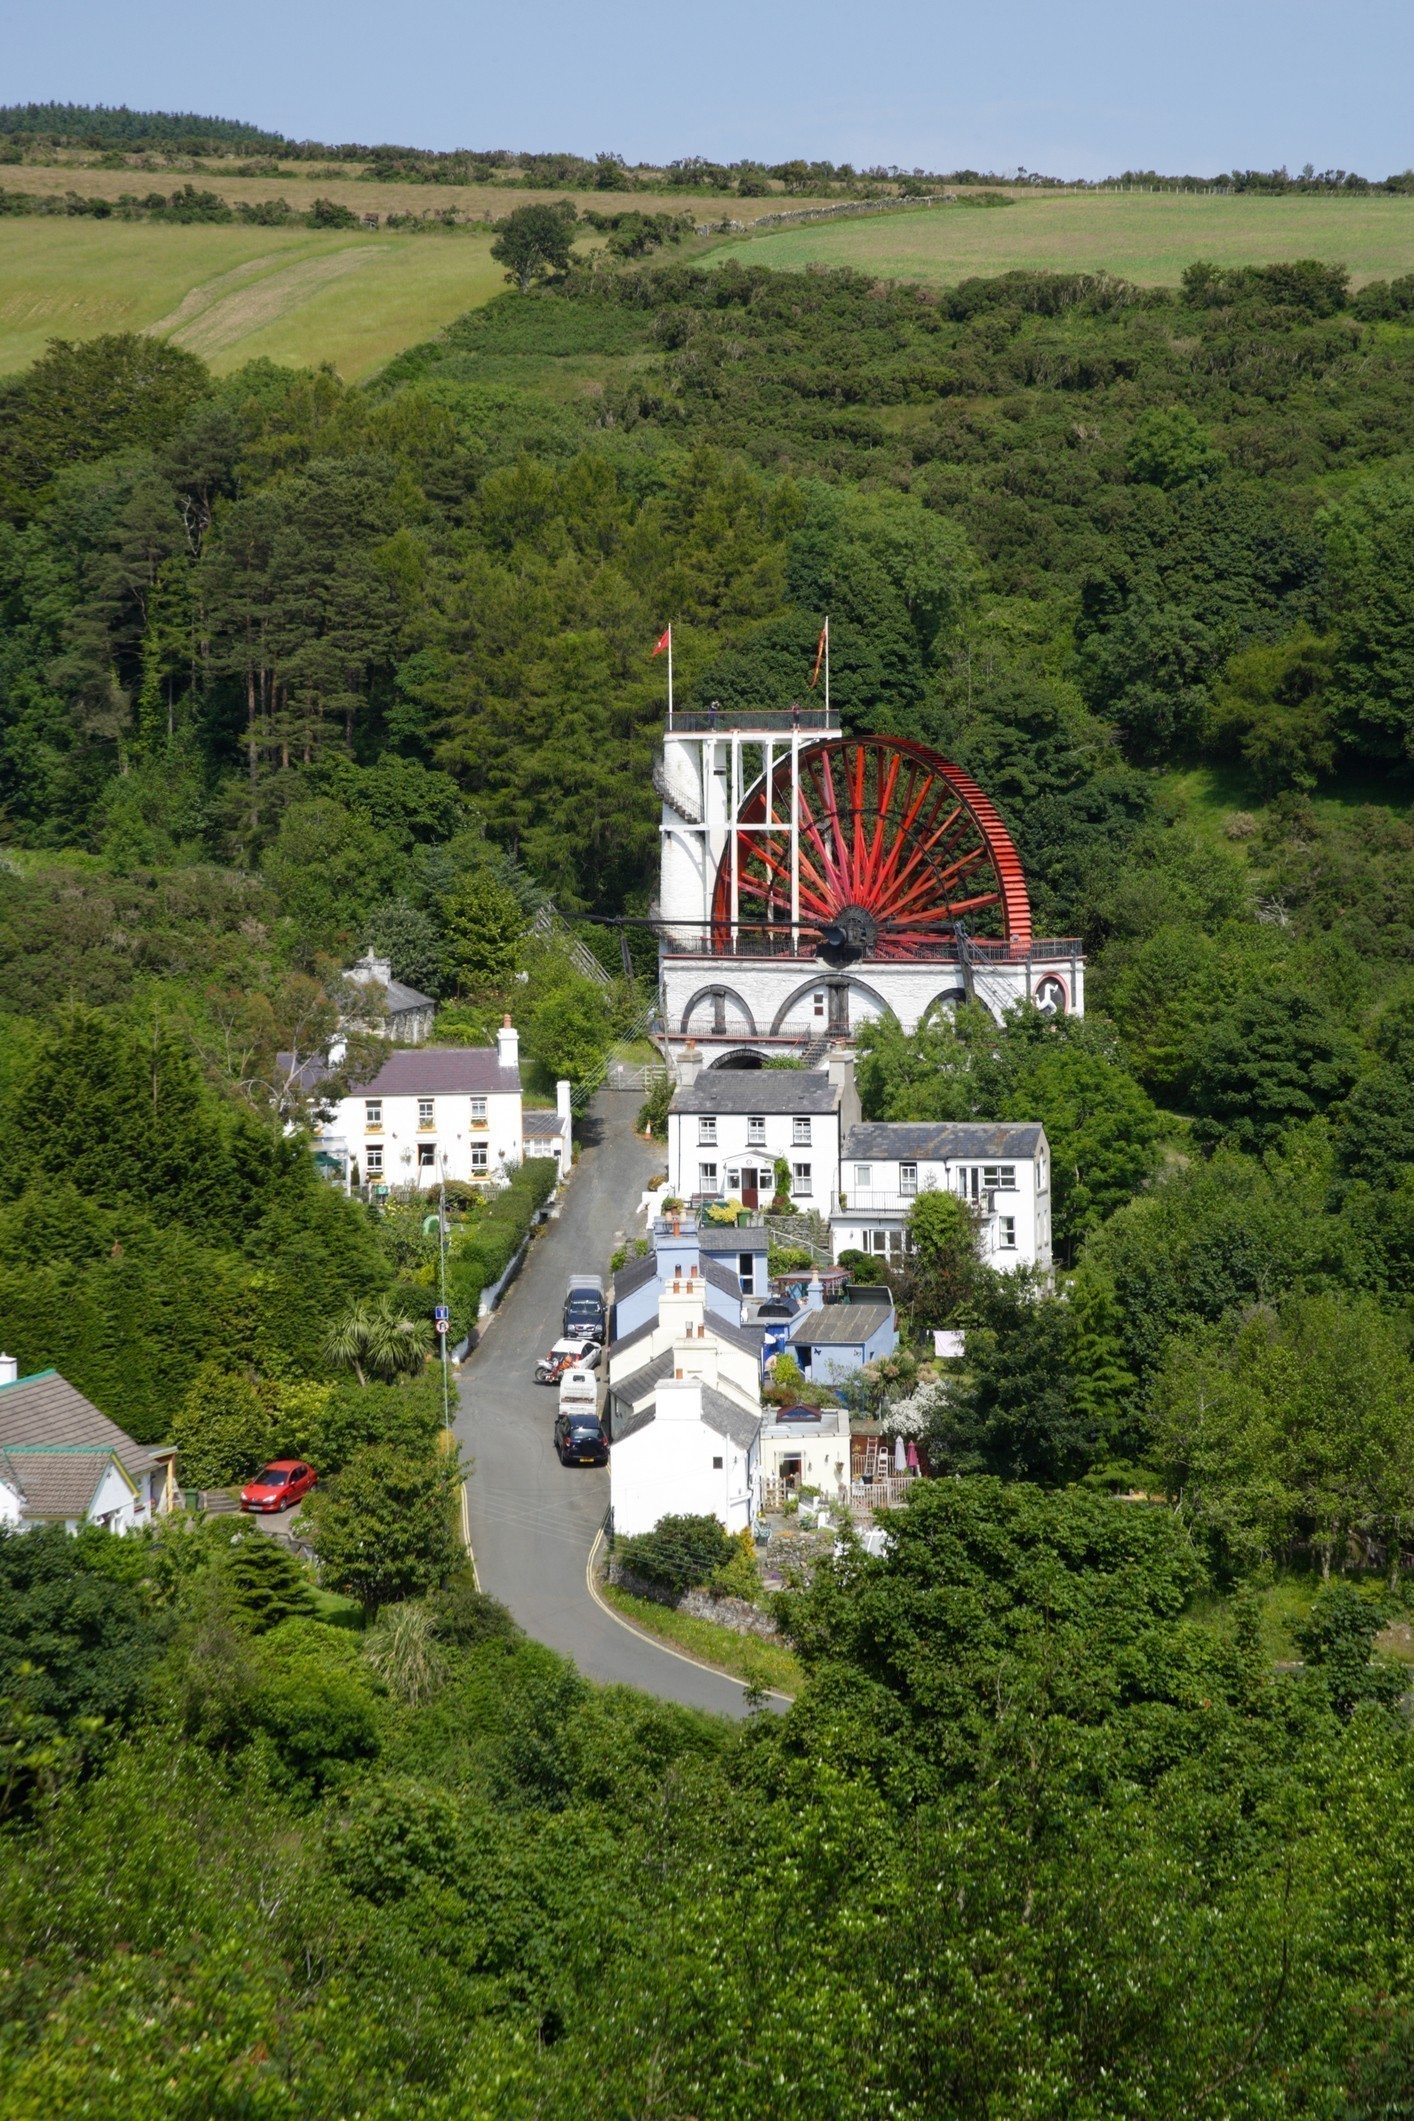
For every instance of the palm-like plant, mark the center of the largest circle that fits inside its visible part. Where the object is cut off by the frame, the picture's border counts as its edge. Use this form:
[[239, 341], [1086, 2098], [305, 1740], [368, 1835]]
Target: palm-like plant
[[376, 1339]]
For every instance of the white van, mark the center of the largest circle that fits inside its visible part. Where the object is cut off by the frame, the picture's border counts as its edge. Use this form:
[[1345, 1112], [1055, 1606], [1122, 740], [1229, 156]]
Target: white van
[[579, 1391]]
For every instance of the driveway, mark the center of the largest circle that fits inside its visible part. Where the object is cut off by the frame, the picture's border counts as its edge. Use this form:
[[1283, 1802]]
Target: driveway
[[533, 1521]]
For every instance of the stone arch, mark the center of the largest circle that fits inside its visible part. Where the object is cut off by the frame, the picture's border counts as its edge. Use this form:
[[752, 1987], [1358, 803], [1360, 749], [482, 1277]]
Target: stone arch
[[739, 1057], [832, 979], [947, 998], [717, 993]]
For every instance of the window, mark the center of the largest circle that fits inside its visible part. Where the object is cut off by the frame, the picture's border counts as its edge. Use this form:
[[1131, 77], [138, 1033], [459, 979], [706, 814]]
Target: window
[[800, 1133], [424, 1112], [800, 1178], [756, 1131], [374, 1160], [746, 1269], [999, 1178], [480, 1156], [817, 1002], [1006, 1232], [908, 1178], [716, 1465], [863, 1177], [478, 1112], [707, 1133], [426, 1156], [706, 1178], [373, 1112]]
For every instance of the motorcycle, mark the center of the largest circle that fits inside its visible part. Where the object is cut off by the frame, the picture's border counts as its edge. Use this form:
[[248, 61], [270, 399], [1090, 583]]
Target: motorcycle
[[565, 1353]]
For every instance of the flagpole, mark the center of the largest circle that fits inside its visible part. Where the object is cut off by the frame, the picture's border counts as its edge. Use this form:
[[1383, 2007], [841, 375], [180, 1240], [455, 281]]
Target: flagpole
[[827, 666], [670, 677]]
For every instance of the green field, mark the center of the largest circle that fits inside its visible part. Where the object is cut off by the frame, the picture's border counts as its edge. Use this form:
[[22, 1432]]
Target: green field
[[231, 294], [1148, 237]]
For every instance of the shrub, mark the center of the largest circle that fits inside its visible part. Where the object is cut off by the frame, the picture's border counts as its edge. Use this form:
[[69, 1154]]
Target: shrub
[[223, 1429], [680, 1553]]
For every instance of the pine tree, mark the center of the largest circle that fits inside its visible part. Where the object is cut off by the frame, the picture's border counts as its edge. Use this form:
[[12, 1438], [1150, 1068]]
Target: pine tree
[[264, 1583]]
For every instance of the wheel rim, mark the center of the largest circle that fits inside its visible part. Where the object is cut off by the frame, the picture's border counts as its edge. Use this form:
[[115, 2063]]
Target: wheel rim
[[897, 845]]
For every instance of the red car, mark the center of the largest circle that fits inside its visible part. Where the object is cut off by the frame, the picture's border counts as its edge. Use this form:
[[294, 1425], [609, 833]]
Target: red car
[[283, 1481]]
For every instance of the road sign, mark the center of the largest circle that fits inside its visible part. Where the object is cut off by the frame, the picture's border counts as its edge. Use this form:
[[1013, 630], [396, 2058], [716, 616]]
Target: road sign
[[441, 1313], [442, 1326]]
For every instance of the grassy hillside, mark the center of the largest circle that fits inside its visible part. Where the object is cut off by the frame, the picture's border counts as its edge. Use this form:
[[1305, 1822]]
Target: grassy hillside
[[231, 294], [1149, 237]]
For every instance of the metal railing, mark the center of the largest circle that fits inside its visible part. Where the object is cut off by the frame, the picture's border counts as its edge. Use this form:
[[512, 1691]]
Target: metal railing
[[743, 721], [774, 942]]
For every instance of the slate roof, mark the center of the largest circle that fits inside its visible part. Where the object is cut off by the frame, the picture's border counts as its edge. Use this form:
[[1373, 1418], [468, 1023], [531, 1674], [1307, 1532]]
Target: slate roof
[[633, 1274], [725, 1418], [46, 1409], [541, 1126], [628, 1340], [721, 1277], [54, 1480], [443, 1071], [942, 1140], [758, 1090], [644, 1380], [403, 999], [748, 1337], [841, 1324], [721, 1237]]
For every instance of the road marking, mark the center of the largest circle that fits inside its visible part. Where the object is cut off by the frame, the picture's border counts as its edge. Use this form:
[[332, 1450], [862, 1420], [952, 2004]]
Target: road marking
[[771, 1693]]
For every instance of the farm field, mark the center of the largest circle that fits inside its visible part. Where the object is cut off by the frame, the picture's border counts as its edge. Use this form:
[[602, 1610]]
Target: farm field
[[1148, 237], [232, 294]]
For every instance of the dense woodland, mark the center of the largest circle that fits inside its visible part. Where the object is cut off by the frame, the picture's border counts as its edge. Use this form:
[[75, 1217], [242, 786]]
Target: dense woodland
[[1061, 1824]]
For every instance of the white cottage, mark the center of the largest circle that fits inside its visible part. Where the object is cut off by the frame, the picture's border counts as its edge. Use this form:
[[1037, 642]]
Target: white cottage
[[729, 1127], [1002, 1170], [62, 1462], [684, 1416], [434, 1112]]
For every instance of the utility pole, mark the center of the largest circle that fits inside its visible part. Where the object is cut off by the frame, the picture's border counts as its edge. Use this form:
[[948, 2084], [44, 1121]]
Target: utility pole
[[443, 1315]]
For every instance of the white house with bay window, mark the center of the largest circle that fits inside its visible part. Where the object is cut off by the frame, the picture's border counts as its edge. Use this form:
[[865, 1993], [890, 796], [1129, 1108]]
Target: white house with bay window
[[1003, 1171], [728, 1128]]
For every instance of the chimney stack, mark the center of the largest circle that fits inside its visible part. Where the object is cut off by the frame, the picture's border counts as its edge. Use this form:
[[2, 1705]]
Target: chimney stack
[[508, 1046], [9, 1370], [689, 1065], [839, 1066]]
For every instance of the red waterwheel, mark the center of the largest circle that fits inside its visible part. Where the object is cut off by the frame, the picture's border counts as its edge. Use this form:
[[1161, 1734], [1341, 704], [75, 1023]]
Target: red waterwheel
[[895, 845]]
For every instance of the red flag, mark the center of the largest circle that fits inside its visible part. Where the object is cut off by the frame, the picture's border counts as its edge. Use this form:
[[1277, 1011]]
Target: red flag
[[820, 653], [665, 641]]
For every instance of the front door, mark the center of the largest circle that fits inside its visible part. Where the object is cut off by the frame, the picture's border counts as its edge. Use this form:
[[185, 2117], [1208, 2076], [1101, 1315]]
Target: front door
[[750, 1186]]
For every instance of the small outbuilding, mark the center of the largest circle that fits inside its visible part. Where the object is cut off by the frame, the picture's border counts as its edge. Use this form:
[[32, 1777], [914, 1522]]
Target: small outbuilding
[[831, 1343]]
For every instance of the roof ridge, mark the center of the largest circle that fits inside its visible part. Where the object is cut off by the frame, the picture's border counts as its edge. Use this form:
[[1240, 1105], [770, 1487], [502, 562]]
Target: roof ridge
[[32, 1379]]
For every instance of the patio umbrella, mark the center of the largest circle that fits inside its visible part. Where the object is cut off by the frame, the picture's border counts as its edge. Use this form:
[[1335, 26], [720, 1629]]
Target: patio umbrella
[[913, 1455], [900, 1455]]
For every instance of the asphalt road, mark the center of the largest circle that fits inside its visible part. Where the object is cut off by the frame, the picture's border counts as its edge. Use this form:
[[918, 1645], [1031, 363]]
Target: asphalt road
[[534, 1521]]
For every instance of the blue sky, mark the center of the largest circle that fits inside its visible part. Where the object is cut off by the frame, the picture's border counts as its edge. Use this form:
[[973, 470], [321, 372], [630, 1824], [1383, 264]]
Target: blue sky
[[1083, 89]]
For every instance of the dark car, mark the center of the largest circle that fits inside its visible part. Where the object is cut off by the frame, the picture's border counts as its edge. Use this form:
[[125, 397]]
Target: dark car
[[580, 1440], [584, 1317], [281, 1484]]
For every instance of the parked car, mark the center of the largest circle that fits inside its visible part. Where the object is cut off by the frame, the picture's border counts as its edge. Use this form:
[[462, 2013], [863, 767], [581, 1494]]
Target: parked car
[[585, 1314], [552, 1367], [580, 1438], [284, 1482]]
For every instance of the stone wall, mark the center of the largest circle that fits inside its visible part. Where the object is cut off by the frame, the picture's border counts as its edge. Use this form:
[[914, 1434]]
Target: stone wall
[[734, 1613]]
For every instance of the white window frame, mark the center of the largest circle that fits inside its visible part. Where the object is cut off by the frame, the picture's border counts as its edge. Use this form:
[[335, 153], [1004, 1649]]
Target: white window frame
[[755, 1130], [1006, 1233], [478, 1112], [427, 1156], [908, 1178], [800, 1134], [373, 1113], [426, 1112], [480, 1157], [999, 1178], [707, 1131], [373, 1161], [801, 1181], [864, 1178]]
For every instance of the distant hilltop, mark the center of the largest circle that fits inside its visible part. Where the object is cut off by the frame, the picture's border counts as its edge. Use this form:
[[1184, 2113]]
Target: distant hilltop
[[31, 130]]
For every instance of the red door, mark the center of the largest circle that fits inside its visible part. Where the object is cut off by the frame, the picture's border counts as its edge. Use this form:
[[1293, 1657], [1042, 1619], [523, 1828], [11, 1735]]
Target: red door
[[750, 1193]]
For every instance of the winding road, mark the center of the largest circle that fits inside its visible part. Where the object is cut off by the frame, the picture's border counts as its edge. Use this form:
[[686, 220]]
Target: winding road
[[533, 1522]]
